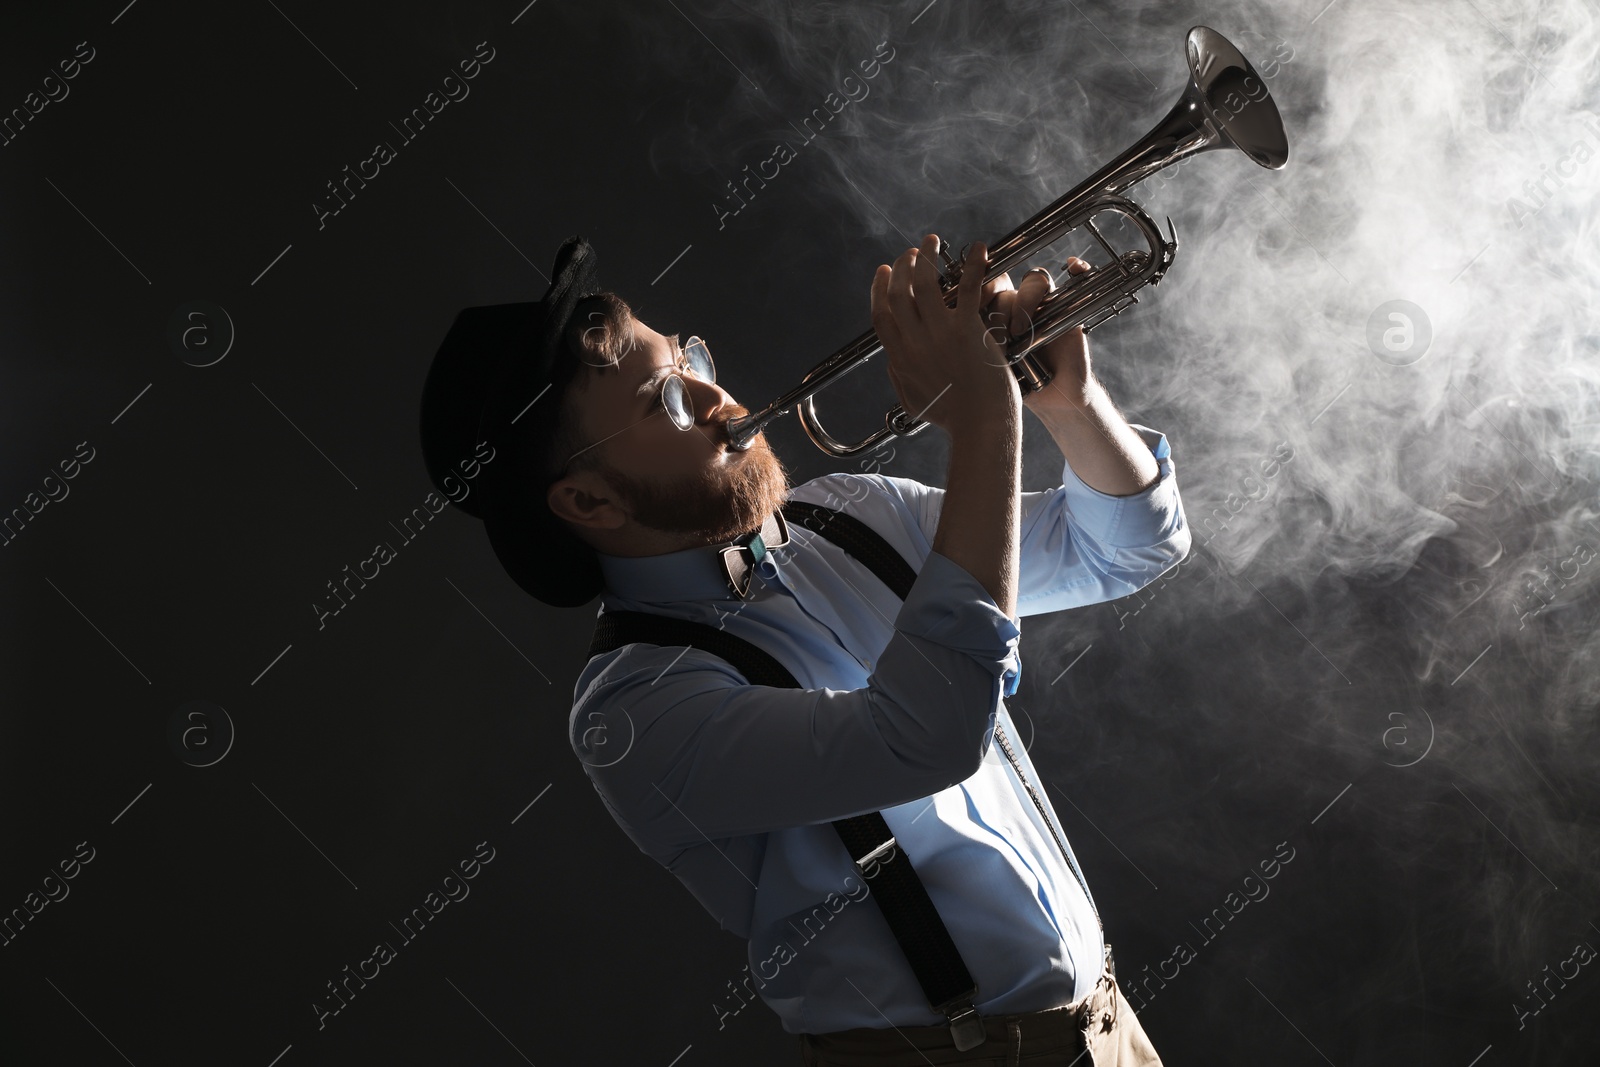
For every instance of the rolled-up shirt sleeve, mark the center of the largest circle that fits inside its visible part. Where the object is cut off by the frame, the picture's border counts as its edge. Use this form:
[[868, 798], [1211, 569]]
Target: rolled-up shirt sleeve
[[1078, 545], [1082, 546], [710, 756]]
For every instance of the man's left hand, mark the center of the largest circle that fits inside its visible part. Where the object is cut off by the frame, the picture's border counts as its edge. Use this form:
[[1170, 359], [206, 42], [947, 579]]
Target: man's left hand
[[1010, 309]]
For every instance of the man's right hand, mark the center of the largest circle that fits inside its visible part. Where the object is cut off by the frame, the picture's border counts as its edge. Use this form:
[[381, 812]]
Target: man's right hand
[[946, 366]]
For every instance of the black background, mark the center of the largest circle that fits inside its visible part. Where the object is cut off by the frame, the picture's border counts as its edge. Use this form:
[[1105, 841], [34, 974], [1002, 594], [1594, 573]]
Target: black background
[[373, 754]]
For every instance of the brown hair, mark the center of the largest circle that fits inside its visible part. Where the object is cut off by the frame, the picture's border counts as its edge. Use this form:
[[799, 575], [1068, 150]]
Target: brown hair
[[599, 334]]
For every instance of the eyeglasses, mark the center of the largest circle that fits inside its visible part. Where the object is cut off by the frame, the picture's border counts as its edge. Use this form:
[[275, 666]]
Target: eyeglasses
[[674, 393]]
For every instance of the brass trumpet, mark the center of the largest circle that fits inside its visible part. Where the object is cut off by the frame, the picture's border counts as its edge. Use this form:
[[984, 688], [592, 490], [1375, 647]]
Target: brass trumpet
[[1226, 105]]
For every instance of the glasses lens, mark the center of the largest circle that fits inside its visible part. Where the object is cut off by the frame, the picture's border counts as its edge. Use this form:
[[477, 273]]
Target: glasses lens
[[676, 398], [699, 358]]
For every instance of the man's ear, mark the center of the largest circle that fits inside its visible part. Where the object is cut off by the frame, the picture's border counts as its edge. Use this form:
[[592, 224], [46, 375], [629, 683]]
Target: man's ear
[[585, 499]]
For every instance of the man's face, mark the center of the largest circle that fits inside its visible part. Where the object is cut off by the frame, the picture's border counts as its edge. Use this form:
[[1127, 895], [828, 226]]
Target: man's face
[[655, 475]]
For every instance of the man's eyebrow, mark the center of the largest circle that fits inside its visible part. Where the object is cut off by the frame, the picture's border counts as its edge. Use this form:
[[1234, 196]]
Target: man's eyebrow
[[649, 384]]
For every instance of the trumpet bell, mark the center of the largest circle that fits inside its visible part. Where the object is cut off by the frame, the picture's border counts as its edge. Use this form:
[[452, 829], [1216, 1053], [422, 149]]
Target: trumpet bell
[[1234, 97]]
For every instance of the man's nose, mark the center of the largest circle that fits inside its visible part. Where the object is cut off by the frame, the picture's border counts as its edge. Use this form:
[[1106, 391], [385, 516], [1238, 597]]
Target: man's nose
[[706, 398]]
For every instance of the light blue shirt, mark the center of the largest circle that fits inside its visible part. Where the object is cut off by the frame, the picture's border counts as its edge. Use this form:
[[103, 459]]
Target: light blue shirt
[[732, 786]]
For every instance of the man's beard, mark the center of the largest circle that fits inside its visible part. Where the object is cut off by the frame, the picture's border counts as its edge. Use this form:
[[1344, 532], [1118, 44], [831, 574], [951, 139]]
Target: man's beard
[[717, 504]]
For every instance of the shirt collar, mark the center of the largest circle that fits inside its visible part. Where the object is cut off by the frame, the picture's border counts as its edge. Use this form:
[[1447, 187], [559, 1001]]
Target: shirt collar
[[688, 574]]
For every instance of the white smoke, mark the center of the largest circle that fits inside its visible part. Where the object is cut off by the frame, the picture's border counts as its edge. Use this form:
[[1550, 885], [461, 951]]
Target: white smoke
[[1423, 559]]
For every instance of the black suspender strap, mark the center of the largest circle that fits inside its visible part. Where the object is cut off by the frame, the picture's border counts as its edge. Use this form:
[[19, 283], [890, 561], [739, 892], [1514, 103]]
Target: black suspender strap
[[617, 628], [868, 547], [901, 896], [859, 540]]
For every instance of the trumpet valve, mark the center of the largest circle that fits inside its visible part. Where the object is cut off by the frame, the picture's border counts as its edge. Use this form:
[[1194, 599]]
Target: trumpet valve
[[950, 275]]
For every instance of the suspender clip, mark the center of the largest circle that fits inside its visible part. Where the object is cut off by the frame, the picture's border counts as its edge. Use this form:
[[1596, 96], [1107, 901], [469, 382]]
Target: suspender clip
[[966, 1025]]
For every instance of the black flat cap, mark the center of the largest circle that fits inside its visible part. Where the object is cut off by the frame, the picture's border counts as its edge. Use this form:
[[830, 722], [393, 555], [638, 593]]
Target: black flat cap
[[497, 380]]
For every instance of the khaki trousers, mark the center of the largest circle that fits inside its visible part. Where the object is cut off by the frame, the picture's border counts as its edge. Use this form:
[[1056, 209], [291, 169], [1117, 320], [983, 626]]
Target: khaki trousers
[[1098, 1031]]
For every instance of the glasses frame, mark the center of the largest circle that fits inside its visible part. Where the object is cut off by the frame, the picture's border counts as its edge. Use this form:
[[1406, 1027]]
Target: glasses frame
[[673, 382]]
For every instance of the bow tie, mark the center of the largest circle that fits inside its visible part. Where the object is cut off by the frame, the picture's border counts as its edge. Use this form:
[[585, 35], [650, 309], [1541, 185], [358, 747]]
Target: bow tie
[[739, 558]]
